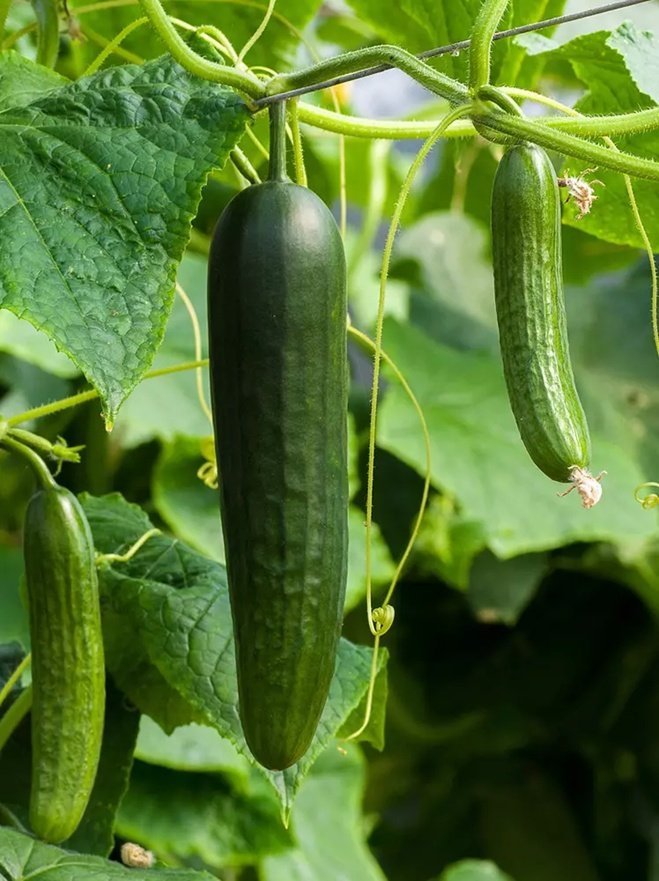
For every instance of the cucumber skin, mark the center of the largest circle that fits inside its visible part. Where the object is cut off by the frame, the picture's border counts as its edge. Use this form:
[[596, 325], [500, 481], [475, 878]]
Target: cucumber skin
[[68, 674], [279, 384], [526, 250]]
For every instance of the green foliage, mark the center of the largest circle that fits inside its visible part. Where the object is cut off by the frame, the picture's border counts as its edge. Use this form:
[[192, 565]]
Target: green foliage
[[237, 19], [85, 219], [21, 856], [519, 685], [209, 820], [327, 826], [178, 605], [617, 70], [478, 458]]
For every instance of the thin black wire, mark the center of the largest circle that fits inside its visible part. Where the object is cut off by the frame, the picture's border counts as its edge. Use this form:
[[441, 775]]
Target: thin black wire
[[446, 50]]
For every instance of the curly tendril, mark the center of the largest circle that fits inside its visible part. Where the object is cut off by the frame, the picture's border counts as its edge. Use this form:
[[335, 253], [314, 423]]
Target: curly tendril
[[651, 500], [383, 619]]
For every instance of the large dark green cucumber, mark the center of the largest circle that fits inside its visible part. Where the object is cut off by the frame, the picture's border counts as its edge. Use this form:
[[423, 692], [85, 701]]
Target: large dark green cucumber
[[277, 327], [68, 678], [526, 246]]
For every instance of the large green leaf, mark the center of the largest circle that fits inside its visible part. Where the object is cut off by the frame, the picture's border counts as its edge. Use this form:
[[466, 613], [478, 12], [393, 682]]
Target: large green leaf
[[454, 302], [327, 826], [180, 639], [22, 81], [190, 748], [99, 182], [21, 857]]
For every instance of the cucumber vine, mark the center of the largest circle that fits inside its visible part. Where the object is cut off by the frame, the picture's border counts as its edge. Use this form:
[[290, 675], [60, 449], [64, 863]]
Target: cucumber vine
[[541, 133]]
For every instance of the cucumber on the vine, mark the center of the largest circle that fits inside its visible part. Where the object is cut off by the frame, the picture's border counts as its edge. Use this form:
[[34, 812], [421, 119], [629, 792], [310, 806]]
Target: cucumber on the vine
[[68, 673], [526, 246], [279, 383]]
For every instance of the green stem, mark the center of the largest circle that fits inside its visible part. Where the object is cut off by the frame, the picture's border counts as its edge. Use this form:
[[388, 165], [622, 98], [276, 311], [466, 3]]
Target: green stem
[[195, 64], [90, 34], [386, 129], [92, 394], [41, 472], [41, 445], [568, 145], [353, 62], [298, 150], [480, 46], [258, 32], [114, 44], [47, 17], [15, 715], [638, 122], [277, 170], [402, 129], [14, 678]]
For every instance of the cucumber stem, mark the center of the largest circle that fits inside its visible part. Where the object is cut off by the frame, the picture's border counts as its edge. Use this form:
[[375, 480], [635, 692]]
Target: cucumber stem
[[277, 170], [41, 472]]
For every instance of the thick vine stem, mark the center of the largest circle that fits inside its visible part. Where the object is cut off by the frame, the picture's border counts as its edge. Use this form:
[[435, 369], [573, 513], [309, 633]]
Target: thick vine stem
[[568, 145], [187, 58], [352, 62], [384, 129], [480, 46], [637, 122], [403, 129]]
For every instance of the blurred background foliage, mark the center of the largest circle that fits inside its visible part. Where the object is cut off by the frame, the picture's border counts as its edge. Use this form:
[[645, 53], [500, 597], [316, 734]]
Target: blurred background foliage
[[522, 721]]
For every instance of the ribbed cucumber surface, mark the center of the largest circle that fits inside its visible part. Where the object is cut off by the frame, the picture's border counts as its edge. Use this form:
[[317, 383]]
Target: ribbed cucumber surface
[[526, 246], [68, 676], [277, 328]]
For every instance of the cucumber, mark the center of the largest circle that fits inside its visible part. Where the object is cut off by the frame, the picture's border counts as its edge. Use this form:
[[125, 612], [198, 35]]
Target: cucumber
[[528, 285], [68, 677], [279, 384]]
